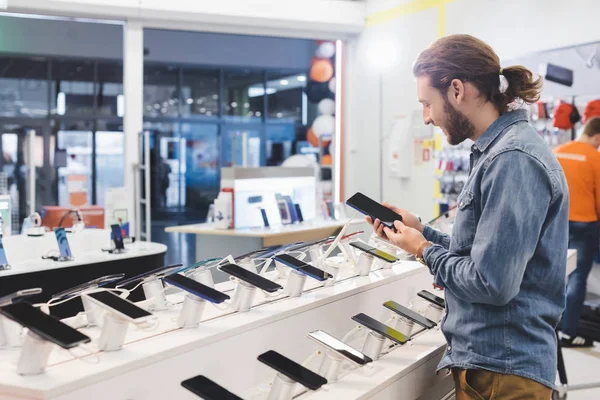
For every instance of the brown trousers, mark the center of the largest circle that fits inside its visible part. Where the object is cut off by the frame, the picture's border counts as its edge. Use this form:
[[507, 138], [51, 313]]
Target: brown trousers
[[476, 384]]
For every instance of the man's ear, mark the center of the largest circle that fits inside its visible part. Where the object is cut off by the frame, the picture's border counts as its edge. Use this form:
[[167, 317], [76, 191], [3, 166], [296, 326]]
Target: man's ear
[[457, 91]]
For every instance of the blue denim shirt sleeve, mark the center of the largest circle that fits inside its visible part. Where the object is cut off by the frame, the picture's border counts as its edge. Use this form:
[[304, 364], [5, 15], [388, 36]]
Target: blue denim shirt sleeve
[[437, 237], [507, 232]]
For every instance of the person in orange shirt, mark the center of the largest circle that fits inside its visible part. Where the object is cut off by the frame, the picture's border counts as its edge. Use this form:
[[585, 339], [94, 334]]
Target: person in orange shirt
[[580, 160]]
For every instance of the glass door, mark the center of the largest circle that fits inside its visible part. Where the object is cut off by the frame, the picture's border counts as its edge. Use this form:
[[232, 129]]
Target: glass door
[[74, 164]]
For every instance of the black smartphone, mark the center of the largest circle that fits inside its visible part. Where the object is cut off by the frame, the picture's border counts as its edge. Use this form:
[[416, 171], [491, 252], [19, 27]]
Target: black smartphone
[[19, 295], [292, 370], [47, 326], [339, 347], [410, 314], [374, 252], [250, 277], [432, 298], [196, 288], [265, 219], [303, 267], [117, 236], [63, 243], [98, 282], [156, 273], [380, 328], [299, 212], [124, 308], [207, 389], [373, 209], [307, 244]]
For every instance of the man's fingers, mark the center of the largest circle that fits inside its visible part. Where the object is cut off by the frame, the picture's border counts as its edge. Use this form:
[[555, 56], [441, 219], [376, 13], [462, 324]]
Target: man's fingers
[[399, 226]]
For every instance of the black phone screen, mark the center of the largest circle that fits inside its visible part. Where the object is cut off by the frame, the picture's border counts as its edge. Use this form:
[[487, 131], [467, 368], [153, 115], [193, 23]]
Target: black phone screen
[[432, 298], [251, 278], [370, 207], [117, 236], [207, 389], [120, 305], [340, 347], [196, 288], [303, 267], [63, 244], [292, 370], [410, 314], [374, 252], [265, 219], [299, 212], [380, 328], [46, 326]]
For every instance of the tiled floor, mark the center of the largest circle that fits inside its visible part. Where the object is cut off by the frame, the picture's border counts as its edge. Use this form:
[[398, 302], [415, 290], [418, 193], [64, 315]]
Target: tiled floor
[[583, 366]]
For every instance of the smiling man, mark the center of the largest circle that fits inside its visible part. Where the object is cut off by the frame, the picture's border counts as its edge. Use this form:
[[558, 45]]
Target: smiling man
[[503, 268]]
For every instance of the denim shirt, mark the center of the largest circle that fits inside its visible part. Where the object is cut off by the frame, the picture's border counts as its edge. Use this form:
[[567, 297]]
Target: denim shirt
[[503, 268]]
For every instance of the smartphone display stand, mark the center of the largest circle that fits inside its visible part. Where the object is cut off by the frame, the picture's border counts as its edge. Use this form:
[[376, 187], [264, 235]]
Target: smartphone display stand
[[93, 313], [282, 388], [191, 312], [295, 284], [404, 326], [204, 276], [114, 330], [364, 264], [65, 258], [434, 312], [10, 333], [249, 265], [331, 366], [34, 355], [155, 290], [373, 345], [283, 270], [4, 267], [316, 256], [243, 297], [348, 252]]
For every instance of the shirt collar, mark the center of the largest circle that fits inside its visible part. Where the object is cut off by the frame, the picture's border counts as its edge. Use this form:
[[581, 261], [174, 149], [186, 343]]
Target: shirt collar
[[499, 126]]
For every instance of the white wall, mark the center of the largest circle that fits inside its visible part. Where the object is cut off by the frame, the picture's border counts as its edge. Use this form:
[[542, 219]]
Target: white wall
[[513, 28]]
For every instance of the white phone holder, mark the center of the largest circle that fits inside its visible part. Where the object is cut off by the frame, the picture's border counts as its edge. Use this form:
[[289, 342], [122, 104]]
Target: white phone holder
[[331, 366], [332, 268], [93, 312], [191, 312], [283, 270], [249, 265], [113, 334], [282, 388], [34, 355], [243, 297], [316, 254], [373, 345], [65, 258], [348, 252], [434, 312], [364, 264], [10, 332], [155, 290], [295, 284], [404, 326], [204, 276]]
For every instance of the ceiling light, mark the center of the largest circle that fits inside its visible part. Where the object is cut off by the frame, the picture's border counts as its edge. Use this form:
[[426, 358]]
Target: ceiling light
[[190, 101], [301, 78], [284, 82], [234, 104]]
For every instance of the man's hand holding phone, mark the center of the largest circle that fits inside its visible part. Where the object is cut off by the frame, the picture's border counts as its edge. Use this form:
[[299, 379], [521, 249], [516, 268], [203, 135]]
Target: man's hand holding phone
[[408, 218], [408, 235]]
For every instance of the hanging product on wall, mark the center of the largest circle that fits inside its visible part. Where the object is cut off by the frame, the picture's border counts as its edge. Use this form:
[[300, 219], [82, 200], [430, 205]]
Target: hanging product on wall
[[325, 50], [592, 109], [321, 70]]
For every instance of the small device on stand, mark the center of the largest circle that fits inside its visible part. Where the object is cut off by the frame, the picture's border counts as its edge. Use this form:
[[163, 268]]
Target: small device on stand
[[207, 389], [376, 337], [10, 331], [152, 285], [408, 318], [437, 305], [120, 312], [44, 331], [63, 245], [300, 270], [243, 296], [116, 236], [288, 374], [33, 225]]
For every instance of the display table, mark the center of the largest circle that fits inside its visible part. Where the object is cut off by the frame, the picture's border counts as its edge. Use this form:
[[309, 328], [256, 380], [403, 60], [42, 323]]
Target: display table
[[28, 269], [212, 242]]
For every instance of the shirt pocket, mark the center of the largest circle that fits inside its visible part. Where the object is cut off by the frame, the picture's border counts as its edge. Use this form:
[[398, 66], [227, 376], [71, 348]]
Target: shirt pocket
[[463, 232]]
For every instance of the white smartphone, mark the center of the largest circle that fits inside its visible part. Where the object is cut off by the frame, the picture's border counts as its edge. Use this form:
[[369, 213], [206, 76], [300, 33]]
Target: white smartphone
[[123, 308]]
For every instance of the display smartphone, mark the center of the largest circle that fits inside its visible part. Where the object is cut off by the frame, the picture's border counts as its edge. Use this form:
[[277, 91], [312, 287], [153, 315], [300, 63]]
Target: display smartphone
[[307, 244], [374, 252], [380, 328], [19, 295], [94, 283], [292, 370], [155, 273], [265, 219], [265, 252], [196, 288], [409, 314], [284, 212], [46, 326], [331, 239], [303, 267], [373, 209], [291, 208], [3, 260], [339, 347], [331, 209], [432, 298], [198, 264], [117, 236], [251, 278], [63, 244], [207, 389], [123, 308], [299, 212]]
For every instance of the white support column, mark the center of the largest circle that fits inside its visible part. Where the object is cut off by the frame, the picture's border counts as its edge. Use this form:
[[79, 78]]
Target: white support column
[[133, 89]]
